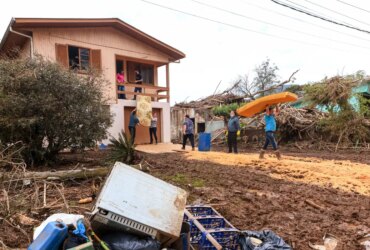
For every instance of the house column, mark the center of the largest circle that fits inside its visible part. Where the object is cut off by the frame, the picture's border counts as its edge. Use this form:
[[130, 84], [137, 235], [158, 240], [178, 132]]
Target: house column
[[168, 81]]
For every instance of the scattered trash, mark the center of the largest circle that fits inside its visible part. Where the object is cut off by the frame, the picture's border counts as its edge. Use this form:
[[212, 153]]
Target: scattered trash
[[122, 240], [67, 219], [365, 241], [330, 243], [87, 199], [263, 240]]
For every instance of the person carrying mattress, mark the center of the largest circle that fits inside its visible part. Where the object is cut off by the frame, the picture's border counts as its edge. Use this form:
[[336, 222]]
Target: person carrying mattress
[[270, 129]]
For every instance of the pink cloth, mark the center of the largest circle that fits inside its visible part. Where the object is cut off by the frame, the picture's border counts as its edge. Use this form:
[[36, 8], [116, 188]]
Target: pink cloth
[[120, 78]]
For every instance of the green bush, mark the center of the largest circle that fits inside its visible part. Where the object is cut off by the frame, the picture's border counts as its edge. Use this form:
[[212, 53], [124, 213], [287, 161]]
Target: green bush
[[49, 108], [123, 149], [224, 110]]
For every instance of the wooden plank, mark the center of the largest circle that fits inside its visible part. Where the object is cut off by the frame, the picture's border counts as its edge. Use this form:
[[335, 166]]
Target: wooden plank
[[144, 94], [144, 86]]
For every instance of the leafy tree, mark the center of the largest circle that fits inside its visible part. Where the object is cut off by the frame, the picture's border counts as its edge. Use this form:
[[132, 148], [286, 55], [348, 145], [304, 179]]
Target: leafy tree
[[266, 76], [49, 108], [224, 110]]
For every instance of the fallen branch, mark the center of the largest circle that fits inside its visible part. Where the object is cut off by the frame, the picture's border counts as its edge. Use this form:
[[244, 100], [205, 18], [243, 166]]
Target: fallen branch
[[314, 205], [60, 175]]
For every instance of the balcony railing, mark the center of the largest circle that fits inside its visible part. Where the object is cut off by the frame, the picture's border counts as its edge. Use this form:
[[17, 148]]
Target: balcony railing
[[155, 92]]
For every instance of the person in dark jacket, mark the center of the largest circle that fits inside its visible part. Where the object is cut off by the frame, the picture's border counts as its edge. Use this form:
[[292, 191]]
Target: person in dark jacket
[[134, 121], [138, 80], [188, 132], [233, 126]]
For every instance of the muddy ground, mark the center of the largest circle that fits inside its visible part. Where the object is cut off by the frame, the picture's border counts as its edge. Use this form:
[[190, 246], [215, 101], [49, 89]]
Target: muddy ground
[[301, 198]]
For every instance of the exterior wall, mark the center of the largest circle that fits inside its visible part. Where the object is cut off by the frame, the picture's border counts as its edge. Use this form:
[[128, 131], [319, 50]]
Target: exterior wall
[[26, 49], [110, 41], [119, 119]]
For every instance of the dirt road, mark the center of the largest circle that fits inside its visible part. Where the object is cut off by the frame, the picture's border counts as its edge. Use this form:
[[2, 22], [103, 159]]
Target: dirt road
[[300, 198]]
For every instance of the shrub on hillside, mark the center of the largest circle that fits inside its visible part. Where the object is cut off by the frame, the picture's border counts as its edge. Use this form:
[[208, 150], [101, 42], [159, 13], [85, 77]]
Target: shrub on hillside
[[49, 108]]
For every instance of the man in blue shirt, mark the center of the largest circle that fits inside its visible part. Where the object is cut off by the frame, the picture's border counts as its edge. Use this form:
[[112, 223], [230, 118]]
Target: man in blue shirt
[[233, 126], [132, 125], [188, 132], [270, 129]]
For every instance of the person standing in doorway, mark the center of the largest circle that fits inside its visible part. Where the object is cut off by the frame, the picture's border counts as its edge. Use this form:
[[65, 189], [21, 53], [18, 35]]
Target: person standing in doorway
[[153, 128], [233, 126], [138, 80], [134, 121], [188, 132], [270, 129]]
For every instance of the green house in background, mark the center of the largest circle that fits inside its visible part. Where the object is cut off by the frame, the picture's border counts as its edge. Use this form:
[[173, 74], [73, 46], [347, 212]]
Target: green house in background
[[363, 89]]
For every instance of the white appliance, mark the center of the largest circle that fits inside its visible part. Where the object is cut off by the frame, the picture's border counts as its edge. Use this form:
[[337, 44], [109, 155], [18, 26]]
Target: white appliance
[[132, 200]]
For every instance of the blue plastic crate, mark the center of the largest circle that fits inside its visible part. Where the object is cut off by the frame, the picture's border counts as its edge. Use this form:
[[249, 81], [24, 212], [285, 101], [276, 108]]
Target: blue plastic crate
[[228, 238], [197, 211], [208, 222]]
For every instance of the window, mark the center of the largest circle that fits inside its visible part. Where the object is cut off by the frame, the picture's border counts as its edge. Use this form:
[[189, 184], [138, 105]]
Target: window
[[79, 58]]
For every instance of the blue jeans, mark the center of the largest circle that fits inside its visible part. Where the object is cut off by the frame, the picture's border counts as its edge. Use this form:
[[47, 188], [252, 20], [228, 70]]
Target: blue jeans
[[270, 138], [121, 96]]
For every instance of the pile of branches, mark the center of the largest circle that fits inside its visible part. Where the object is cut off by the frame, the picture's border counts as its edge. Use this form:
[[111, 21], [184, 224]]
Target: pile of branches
[[210, 101], [293, 123], [303, 123]]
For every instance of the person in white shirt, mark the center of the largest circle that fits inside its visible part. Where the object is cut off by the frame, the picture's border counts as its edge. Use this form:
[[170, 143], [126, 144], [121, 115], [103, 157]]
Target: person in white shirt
[[153, 129]]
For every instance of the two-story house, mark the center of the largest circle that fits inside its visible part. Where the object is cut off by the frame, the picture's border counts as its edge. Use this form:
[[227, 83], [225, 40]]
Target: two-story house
[[111, 46]]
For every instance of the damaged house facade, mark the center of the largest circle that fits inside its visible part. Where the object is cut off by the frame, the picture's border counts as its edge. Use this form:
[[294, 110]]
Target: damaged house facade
[[110, 46]]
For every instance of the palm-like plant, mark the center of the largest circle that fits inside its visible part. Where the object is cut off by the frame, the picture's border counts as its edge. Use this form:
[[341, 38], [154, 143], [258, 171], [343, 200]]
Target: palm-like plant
[[122, 149]]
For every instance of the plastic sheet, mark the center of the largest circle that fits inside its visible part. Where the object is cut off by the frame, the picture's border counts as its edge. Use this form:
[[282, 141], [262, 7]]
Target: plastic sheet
[[270, 241], [121, 240]]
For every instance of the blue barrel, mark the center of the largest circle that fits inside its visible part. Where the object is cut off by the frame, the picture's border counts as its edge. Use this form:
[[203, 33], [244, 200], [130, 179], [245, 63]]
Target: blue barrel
[[51, 237], [204, 143]]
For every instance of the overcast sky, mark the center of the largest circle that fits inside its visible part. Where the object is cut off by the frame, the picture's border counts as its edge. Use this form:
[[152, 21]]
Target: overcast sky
[[217, 52]]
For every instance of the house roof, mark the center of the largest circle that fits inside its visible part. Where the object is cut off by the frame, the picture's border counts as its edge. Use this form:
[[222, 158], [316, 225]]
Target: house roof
[[24, 24]]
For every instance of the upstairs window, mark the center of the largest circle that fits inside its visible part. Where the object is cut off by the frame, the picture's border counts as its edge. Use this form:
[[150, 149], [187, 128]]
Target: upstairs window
[[79, 58]]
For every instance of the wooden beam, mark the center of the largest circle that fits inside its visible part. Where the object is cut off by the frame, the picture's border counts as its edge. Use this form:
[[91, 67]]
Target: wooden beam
[[144, 94], [168, 81], [143, 86]]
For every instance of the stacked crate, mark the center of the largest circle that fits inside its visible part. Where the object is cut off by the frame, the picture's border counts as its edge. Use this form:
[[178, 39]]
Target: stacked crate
[[209, 230]]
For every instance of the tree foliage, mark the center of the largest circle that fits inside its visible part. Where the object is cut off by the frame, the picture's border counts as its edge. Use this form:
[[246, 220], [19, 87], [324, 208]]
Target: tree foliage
[[345, 122], [266, 77], [49, 108], [224, 110]]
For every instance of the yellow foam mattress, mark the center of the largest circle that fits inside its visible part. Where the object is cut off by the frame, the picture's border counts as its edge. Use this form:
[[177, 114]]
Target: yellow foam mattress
[[144, 110], [258, 105]]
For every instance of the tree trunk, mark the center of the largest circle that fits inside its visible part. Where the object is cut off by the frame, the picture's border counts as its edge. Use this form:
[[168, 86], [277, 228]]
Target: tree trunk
[[62, 175]]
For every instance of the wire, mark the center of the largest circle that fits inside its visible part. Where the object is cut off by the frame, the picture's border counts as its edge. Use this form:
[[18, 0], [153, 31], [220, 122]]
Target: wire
[[319, 17], [276, 25], [303, 21], [336, 12], [354, 6], [315, 11], [239, 27]]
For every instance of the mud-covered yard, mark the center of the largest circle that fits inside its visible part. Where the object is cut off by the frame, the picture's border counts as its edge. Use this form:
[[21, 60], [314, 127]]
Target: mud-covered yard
[[301, 197]]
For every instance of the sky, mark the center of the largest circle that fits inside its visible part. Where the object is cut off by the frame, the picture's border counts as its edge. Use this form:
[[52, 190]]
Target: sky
[[237, 36]]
